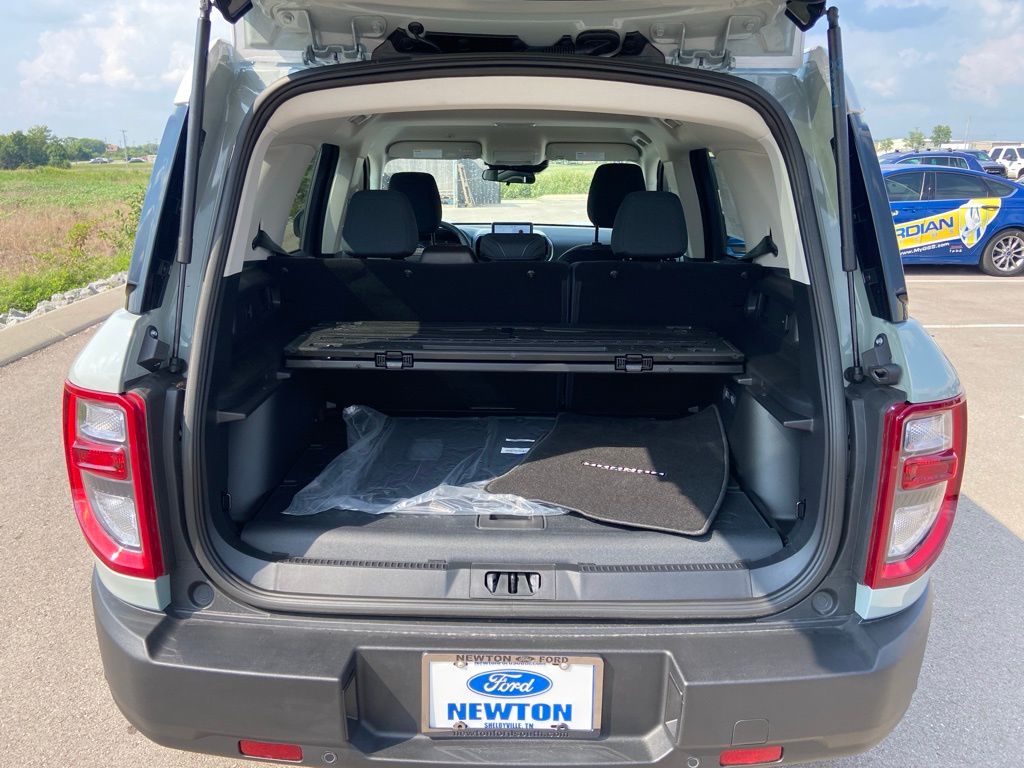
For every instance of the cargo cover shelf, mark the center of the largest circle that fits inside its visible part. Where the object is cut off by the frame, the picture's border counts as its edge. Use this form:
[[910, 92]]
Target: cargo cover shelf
[[377, 345]]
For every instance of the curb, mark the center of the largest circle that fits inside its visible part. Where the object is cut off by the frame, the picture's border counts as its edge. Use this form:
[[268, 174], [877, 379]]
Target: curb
[[37, 333]]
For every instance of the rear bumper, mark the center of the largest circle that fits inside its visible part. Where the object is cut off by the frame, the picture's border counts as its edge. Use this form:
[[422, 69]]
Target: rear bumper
[[673, 696]]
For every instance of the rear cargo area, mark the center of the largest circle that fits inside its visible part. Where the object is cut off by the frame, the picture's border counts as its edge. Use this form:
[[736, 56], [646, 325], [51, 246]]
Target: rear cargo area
[[698, 472]]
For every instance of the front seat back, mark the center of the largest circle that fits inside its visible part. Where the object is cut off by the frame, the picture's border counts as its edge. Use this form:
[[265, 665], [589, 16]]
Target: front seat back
[[379, 224], [650, 226], [608, 188], [421, 190]]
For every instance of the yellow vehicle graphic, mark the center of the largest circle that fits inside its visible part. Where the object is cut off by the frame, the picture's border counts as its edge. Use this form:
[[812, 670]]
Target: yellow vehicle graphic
[[966, 224]]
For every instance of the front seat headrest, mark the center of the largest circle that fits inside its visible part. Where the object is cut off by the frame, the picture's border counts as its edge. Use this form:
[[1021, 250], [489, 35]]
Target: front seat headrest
[[512, 247], [421, 189], [609, 187], [650, 226], [379, 224]]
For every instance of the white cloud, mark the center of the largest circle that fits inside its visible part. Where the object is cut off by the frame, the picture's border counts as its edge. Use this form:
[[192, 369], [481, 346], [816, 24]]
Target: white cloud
[[134, 46], [1000, 14], [91, 68], [991, 72]]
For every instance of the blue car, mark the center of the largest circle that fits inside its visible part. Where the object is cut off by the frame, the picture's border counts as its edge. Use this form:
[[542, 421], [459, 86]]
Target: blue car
[[969, 159], [950, 216]]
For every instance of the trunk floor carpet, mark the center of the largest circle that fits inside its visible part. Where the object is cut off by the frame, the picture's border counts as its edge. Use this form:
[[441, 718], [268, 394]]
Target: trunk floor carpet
[[664, 475]]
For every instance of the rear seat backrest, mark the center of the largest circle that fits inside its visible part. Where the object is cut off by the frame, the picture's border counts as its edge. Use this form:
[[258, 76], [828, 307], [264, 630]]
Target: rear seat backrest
[[704, 294], [647, 289], [341, 289]]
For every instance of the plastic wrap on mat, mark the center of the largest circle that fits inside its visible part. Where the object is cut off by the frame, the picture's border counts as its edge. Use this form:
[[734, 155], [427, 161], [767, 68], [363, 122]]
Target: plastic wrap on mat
[[425, 466]]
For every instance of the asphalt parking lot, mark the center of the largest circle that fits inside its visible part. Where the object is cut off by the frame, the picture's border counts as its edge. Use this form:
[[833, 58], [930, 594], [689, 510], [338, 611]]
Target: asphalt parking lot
[[969, 709]]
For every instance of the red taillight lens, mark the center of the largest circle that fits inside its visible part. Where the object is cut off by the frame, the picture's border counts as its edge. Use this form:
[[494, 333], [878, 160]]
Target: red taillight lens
[[107, 452], [270, 750], [923, 448], [750, 756]]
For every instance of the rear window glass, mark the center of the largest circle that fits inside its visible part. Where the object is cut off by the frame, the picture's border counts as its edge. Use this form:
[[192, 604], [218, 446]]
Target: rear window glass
[[999, 189], [905, 187], [956, 186], [558, 196]]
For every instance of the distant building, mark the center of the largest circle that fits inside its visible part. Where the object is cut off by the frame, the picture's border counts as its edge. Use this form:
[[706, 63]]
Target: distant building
[[113, 148]]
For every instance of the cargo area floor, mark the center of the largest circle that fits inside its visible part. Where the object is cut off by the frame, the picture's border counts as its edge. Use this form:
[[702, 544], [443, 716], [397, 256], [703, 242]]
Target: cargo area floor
[[739, 533]]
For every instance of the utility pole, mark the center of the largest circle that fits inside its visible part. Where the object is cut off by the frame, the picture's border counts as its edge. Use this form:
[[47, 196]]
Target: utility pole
[[124, 138]]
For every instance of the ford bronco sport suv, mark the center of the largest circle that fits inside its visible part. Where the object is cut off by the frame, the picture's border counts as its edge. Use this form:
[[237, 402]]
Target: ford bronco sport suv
[[535, 372]]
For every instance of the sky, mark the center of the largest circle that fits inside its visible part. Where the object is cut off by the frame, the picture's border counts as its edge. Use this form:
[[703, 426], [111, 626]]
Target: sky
[[94, 68]]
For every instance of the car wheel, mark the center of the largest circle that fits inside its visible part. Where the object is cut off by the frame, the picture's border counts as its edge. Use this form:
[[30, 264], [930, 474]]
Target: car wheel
[[1004, 254]]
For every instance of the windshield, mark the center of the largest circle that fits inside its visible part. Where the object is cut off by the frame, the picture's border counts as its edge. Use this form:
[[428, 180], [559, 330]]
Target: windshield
[[980, 154], [559, 195]]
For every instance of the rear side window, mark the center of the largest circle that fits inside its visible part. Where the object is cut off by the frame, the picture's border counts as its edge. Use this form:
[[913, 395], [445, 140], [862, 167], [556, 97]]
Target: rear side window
[[292, 239], [959, 162], [730, 213], [905, 187], [957, 186], [999, 189]]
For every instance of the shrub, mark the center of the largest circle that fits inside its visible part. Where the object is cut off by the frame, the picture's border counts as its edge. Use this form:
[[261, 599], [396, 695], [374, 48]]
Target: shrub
[[76, 264], [567, 179]]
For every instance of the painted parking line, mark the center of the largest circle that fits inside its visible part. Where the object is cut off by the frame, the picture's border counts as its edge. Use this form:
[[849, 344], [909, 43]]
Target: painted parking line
[[974, 280], [977, 325]]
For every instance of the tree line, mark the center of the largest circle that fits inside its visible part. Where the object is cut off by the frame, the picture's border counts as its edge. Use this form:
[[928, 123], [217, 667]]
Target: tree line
[[916, 139], [39, 146]]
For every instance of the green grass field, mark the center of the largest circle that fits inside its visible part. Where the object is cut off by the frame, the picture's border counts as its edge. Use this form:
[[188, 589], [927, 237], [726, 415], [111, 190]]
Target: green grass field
[[61, 229], [556, 179]]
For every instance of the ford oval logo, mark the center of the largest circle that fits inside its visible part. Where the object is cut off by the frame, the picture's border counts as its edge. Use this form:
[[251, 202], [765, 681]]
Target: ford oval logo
[[508, 683]]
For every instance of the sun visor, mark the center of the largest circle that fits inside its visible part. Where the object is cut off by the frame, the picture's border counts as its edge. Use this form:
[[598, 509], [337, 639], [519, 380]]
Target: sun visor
[[435, 150], [593, 152]]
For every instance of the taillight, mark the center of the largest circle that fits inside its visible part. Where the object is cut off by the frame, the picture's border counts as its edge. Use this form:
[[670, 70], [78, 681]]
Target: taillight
[[107, 452], [923, 449]]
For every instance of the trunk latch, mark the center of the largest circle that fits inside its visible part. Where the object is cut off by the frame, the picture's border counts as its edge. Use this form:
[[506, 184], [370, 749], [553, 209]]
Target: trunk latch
[[634, 363], [393, 361], [512, 583]]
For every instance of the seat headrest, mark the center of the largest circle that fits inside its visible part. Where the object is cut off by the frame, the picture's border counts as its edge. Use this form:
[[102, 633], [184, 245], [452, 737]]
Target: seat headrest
[[610, 185], [421, 189], [512, 247], [650, 226], [380, 224]]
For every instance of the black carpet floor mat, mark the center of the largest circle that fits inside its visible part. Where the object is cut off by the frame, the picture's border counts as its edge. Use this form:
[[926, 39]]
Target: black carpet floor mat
[[645, 473]]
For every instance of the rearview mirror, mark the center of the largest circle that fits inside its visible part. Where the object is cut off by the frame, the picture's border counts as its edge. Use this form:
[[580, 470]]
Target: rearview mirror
[[508, 176]]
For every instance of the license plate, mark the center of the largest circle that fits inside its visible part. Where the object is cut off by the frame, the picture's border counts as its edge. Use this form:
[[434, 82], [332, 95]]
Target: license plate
[[493, 695]]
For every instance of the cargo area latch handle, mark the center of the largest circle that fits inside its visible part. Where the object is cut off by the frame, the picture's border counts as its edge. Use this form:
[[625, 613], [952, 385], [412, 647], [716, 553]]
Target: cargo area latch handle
[[634, 363], [393, 361]]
